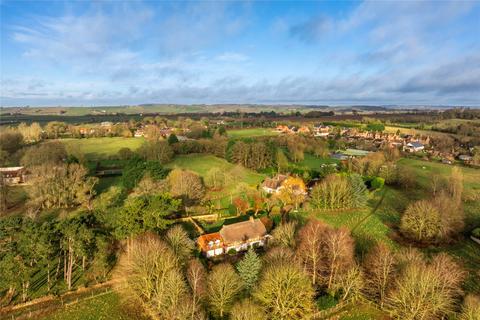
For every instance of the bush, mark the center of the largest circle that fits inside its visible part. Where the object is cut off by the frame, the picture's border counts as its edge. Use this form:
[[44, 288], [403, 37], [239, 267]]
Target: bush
[[232, 251], [476, 233], [377, 183], [125, 154]]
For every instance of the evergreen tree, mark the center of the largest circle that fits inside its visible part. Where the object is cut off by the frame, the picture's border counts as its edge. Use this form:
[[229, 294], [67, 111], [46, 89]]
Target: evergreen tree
[[249, 269], [172, 139]]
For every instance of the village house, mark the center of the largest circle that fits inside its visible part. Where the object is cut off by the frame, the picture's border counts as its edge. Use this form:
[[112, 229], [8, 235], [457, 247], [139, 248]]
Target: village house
[[465, 158], [234, 237], [286, 129], [414, 146], [274, 185], [139, 133], [320, 130], [304, 130], [14, 175]]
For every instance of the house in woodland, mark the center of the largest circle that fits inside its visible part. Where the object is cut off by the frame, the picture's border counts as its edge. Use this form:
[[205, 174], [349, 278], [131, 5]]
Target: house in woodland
[[234, 237]]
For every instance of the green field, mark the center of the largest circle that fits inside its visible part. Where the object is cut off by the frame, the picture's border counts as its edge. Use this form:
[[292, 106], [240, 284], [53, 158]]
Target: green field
[[201, 164], [424, 170], [381, 225], [106, 306], [98, 148], [253, 132], [314, 163]]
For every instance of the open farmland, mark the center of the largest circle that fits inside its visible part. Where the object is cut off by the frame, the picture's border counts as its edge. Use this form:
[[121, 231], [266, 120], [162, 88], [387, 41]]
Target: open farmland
[[100, 148]]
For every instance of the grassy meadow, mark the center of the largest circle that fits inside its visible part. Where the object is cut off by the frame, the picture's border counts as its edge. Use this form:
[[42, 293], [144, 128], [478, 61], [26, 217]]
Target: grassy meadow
[[201, 164], [382, 225], [251, 132], [98, 148]]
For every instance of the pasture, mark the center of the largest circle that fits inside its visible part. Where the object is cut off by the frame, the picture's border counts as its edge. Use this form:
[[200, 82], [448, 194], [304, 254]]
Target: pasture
[[100, 148], [251, 132]]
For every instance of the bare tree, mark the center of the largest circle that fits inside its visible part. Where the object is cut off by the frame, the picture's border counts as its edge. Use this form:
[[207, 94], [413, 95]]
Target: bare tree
[[224, 285], [284, 235], [247, 310], [197, 279], [338, 250], [286, 292], [309, 250], [180, 243], [153, 278], [379, 268], [426, 291], [471, 308]]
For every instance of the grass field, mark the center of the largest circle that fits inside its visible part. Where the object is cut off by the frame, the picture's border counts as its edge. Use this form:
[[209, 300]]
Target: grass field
[[98, 148], [424, 170], [312, 162], [253, 132], [201, 164], [106, 306], [373, 228]]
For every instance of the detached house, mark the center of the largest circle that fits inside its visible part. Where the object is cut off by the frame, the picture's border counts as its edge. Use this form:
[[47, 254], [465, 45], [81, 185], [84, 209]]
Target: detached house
[[414, 147], [238, 236], [274, 185], [321, 130]]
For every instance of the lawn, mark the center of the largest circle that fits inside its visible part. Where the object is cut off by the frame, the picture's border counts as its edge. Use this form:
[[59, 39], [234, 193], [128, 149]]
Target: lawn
[[201, 164], [105, 306], [314, 163], [100, 148], [424, 170], [368, 229], [252, 132]]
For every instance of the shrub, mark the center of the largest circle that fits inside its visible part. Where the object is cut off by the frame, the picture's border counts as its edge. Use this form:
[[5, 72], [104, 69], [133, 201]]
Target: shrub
[[232, 251], [476, 233], [377, 183]]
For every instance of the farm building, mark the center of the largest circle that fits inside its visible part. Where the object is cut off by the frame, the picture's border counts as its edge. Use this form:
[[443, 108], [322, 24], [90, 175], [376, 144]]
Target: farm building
[[238, 236], [14, 175]]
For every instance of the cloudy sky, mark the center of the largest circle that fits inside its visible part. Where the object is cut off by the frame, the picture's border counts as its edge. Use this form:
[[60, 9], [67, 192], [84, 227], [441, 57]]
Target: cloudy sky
[[103, 53]]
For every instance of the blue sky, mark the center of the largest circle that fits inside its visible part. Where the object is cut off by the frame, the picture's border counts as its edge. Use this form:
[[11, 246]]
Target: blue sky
[[108, 53]]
